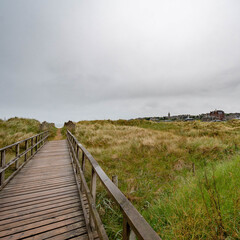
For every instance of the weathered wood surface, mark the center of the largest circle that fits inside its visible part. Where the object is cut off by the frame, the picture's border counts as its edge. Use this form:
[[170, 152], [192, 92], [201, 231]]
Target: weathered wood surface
[[42, 201]]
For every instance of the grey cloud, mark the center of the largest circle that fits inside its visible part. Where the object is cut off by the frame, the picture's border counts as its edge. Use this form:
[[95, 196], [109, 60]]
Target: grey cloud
[[78, 60]]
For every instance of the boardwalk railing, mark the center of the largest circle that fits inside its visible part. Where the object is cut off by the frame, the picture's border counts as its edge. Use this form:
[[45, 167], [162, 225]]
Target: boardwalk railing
[[133, 222], [24, 149]]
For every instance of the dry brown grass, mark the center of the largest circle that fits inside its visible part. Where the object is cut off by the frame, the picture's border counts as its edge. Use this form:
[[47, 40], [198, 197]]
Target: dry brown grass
[[153, 159]]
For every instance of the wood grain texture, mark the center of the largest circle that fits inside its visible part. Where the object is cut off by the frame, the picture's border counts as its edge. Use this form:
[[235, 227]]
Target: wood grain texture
[[42, 201]]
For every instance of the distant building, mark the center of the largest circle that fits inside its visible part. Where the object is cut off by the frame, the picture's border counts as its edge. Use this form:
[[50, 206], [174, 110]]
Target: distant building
[[231, 116], [217, 115], [169, 116], [189, 119], [154, 119]]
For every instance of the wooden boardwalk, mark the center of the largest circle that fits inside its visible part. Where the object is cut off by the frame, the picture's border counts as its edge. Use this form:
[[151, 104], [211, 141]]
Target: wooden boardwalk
[[42, 201], [46, 195]]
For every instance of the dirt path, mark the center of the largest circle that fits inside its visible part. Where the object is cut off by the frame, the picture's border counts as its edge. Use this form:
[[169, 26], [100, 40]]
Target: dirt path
[[58, 136]]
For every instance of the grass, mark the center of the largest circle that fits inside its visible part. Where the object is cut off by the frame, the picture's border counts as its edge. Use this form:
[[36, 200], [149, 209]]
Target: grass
[[202, 207], [16, 129], [153, 162]]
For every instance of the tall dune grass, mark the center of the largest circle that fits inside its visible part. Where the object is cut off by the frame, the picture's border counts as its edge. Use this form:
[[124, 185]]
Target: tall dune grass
[[16, 129], [153, 162]]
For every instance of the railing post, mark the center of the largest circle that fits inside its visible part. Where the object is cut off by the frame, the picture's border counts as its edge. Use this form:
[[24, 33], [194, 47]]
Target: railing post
[[126, 229], [128, 234], [83, 168], [36, 148], [26, 147], [40, 138], [93, 185], [44, 135], [32, 146], [77, 154], [2, 164], [115, 180], [17, 153], [93, 192]]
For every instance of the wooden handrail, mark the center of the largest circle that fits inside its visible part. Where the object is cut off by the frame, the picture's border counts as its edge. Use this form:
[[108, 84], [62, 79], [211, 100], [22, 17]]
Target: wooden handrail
[[40, 140], [133, 221], [21, 141]]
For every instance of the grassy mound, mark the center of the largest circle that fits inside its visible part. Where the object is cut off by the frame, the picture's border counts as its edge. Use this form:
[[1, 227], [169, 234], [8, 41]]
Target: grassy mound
[[15, 129]]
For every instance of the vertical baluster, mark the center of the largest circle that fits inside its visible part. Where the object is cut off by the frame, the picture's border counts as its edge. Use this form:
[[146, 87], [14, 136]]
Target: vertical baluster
[[83, 168], [77, 154], [32, 146], [26, 147], [126, 229], [93, 185], [93, 192], [128, 234], [17, 153], [40, 138], [2, 164], [44, 134], [36, 148], [77, 159]]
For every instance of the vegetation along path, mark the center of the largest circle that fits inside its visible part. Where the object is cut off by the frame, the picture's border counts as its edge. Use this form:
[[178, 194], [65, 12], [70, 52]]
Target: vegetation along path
[[59, 135]]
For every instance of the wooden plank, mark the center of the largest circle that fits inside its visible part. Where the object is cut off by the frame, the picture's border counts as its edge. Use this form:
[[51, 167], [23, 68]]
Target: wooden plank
[[79, 233], [42, 223], [38, 218], [36, 214], [35, 195], [36, 208], [38, 211], [47, 230], [25, 194], [37, 198], [39, 181], [42, 201], [39, 186], [64, 229]]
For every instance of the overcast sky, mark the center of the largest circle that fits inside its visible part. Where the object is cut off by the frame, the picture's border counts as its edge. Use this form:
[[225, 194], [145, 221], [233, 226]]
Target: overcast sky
[[84, 59]]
